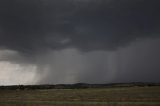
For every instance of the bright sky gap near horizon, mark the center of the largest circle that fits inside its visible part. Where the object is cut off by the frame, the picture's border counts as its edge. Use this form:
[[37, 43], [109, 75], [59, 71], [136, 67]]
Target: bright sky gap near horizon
[[72, 41]]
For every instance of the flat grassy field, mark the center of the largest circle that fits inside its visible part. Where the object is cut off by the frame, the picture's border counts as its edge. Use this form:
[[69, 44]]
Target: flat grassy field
[[122, 96]]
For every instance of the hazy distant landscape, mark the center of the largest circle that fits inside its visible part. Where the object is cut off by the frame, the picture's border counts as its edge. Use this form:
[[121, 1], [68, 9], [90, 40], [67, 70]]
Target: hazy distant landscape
[[81, 95]]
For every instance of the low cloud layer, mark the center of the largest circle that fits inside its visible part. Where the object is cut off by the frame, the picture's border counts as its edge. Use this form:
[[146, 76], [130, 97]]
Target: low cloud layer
[[69, 41], [35, 25]]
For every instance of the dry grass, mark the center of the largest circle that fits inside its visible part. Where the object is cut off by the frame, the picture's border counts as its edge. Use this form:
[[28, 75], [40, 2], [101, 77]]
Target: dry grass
[[131, 96]]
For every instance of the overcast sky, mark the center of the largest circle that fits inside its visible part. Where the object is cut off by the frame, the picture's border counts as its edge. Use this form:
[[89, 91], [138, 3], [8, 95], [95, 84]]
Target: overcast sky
[[71, 41]]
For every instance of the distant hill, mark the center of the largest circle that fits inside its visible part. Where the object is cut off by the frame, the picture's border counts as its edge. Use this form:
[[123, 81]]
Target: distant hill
[[76, 86]]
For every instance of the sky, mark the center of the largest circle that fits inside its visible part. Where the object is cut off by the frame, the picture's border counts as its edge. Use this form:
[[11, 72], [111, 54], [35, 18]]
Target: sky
[[73, 41]]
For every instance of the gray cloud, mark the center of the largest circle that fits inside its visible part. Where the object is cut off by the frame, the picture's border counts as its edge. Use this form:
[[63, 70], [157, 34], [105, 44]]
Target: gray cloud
[[137, 62], [93, 41], [30, 26]]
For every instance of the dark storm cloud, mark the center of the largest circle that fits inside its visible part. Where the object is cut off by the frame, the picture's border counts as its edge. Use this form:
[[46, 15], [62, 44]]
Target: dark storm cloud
[[29, 26], [69, 41]]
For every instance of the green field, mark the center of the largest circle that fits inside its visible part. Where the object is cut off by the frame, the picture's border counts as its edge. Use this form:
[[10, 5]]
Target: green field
[[122, 96]]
